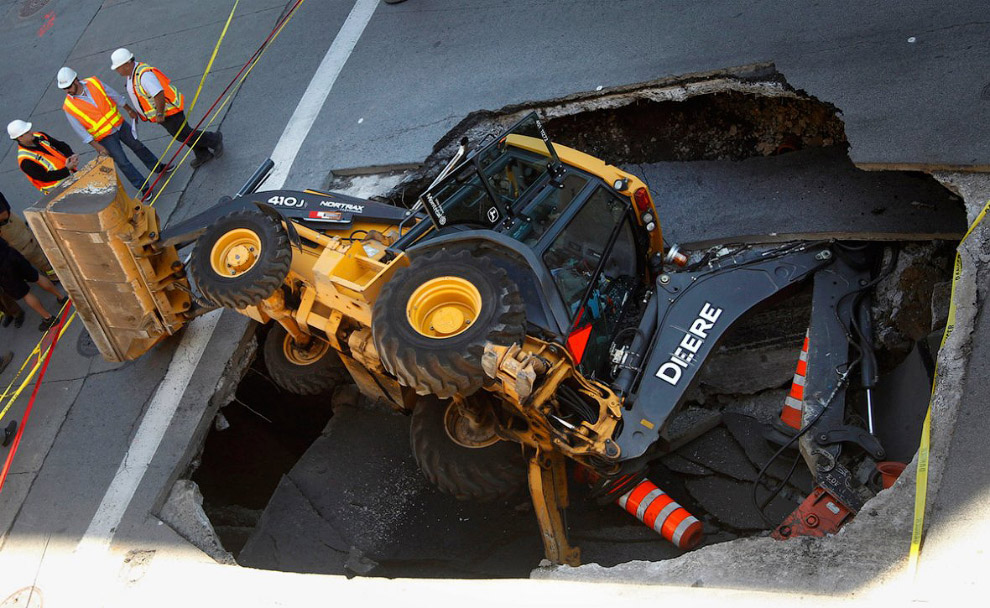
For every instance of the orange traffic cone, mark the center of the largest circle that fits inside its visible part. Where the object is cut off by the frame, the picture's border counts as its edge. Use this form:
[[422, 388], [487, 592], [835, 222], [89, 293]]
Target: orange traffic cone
[[657, 510], [793, 406]]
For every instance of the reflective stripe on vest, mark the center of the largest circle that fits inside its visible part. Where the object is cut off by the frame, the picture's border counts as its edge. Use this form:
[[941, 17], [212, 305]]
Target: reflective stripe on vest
[[174, 101], [48, 157], [100, 119]]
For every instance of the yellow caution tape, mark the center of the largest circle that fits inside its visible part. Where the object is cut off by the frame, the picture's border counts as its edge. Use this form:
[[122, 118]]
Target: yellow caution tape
[[213, 57], [199, 89], [229, 96], [34, 368], [924, 449]]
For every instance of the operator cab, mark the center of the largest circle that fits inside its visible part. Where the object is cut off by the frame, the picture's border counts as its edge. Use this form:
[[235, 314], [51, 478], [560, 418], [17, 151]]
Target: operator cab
[[584, 250]]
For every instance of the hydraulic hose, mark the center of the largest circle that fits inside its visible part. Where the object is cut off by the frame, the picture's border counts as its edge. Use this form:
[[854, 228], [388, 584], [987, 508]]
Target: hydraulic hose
[[631, 367]]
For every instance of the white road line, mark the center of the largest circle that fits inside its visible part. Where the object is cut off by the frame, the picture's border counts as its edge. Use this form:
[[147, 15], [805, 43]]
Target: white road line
[[150, 433], [316, 93], [169, 395]]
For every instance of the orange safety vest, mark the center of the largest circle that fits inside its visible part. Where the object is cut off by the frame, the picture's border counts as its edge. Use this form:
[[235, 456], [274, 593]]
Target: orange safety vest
[[174, 101], [100, 119], [47, 156]]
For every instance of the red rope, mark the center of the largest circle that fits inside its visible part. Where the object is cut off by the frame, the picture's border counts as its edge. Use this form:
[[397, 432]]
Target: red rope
[[278, 25], [34, 394]]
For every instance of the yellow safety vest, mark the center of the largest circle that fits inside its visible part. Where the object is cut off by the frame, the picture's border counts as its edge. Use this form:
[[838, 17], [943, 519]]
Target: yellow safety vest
[[47, 156], [99, 119], [174, 101]]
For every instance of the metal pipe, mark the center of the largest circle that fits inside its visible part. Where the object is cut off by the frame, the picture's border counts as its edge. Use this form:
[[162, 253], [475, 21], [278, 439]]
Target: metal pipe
[[868, 365], [258, 178], [461, 151]]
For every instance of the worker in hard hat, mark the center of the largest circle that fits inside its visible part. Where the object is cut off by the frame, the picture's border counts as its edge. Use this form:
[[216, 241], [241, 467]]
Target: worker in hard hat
[[45, 160], [157, 100], [19, 236], [93, 111]]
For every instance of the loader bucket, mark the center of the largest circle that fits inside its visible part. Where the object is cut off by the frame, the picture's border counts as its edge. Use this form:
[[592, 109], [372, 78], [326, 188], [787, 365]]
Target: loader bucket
[[103, 245]]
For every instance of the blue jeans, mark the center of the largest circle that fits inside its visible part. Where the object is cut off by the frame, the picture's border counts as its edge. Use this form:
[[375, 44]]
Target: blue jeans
[[113, 145]]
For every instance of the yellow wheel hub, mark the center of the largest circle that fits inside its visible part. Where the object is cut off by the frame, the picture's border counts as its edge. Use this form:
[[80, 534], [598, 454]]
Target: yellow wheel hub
[[443, 307], [469, 432], [235, 252], [304, 355]]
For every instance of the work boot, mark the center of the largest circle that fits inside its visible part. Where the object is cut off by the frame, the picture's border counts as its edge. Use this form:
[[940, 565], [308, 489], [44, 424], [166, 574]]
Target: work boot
[[6, 320], [48, 323], [5, 360], [218, 148], [19, 320], [202, 160], [61, 301], [164, 169], [8, 433]]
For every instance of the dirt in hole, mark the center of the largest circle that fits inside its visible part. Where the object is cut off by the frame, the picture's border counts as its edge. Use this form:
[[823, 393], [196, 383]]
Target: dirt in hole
[[241, 465], [719, 126]]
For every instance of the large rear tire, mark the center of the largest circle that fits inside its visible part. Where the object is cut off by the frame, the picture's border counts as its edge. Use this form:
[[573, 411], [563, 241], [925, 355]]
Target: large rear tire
[[432, 320], [482, 474], [241, 259], [313, 370]]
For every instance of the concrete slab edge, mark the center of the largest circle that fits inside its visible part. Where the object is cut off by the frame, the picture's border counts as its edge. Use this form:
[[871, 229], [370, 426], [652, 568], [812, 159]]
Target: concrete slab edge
[[172, 504]]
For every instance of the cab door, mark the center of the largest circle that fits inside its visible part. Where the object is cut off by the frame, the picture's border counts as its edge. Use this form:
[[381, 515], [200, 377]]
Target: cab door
[[596, 267]]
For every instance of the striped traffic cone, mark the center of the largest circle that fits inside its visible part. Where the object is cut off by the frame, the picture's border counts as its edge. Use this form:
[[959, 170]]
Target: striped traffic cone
[[659, 511], [791, 414]]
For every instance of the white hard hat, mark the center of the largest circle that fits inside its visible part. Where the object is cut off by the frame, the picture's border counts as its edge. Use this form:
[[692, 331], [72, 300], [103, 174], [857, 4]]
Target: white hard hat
[[66, 76], [119, 58], [16, 128]]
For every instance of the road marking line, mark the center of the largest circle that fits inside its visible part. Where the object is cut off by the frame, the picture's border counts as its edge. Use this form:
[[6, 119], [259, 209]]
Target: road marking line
[[150, 433], [168, 396], [316, 93]]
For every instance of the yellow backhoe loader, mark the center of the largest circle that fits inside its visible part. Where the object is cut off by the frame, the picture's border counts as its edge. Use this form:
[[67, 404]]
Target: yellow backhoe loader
[[525, 311]]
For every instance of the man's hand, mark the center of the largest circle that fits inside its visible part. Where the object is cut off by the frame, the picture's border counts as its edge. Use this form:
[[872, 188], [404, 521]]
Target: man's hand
[[159, 107], [131, 112], [72, 162], [99, 148]]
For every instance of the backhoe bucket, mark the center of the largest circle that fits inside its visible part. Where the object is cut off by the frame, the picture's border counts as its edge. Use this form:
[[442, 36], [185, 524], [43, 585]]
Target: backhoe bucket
[[102, 244]]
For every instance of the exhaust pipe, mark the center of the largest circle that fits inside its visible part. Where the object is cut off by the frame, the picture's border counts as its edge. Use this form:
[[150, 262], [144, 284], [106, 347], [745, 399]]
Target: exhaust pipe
[[258, 178]]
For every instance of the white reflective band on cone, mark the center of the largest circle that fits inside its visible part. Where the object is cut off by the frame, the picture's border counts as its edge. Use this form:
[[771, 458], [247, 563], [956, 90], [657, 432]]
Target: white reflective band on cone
[[681, 529], [647, 501], [664, 514]]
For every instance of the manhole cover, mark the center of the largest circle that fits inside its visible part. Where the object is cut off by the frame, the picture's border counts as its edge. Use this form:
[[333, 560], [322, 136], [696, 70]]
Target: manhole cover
[[28, 597], [31, 7], [85, 345]]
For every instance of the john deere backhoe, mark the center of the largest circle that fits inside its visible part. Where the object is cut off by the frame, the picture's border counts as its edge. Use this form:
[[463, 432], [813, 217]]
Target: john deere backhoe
[[525, 311]]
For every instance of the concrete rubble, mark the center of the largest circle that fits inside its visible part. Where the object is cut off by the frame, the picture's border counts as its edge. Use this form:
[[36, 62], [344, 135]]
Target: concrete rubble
[[183, 510]]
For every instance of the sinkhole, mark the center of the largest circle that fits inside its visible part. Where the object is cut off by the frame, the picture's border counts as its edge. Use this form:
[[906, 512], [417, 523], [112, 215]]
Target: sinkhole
[[327, 483]]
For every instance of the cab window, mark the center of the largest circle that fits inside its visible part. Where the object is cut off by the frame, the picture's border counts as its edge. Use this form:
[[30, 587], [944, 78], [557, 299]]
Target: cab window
[[579, 257]]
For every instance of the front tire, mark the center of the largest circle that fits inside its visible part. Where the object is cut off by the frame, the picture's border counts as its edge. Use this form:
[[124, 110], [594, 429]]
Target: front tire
[[241, 259], [481, 474], [432, 320]]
